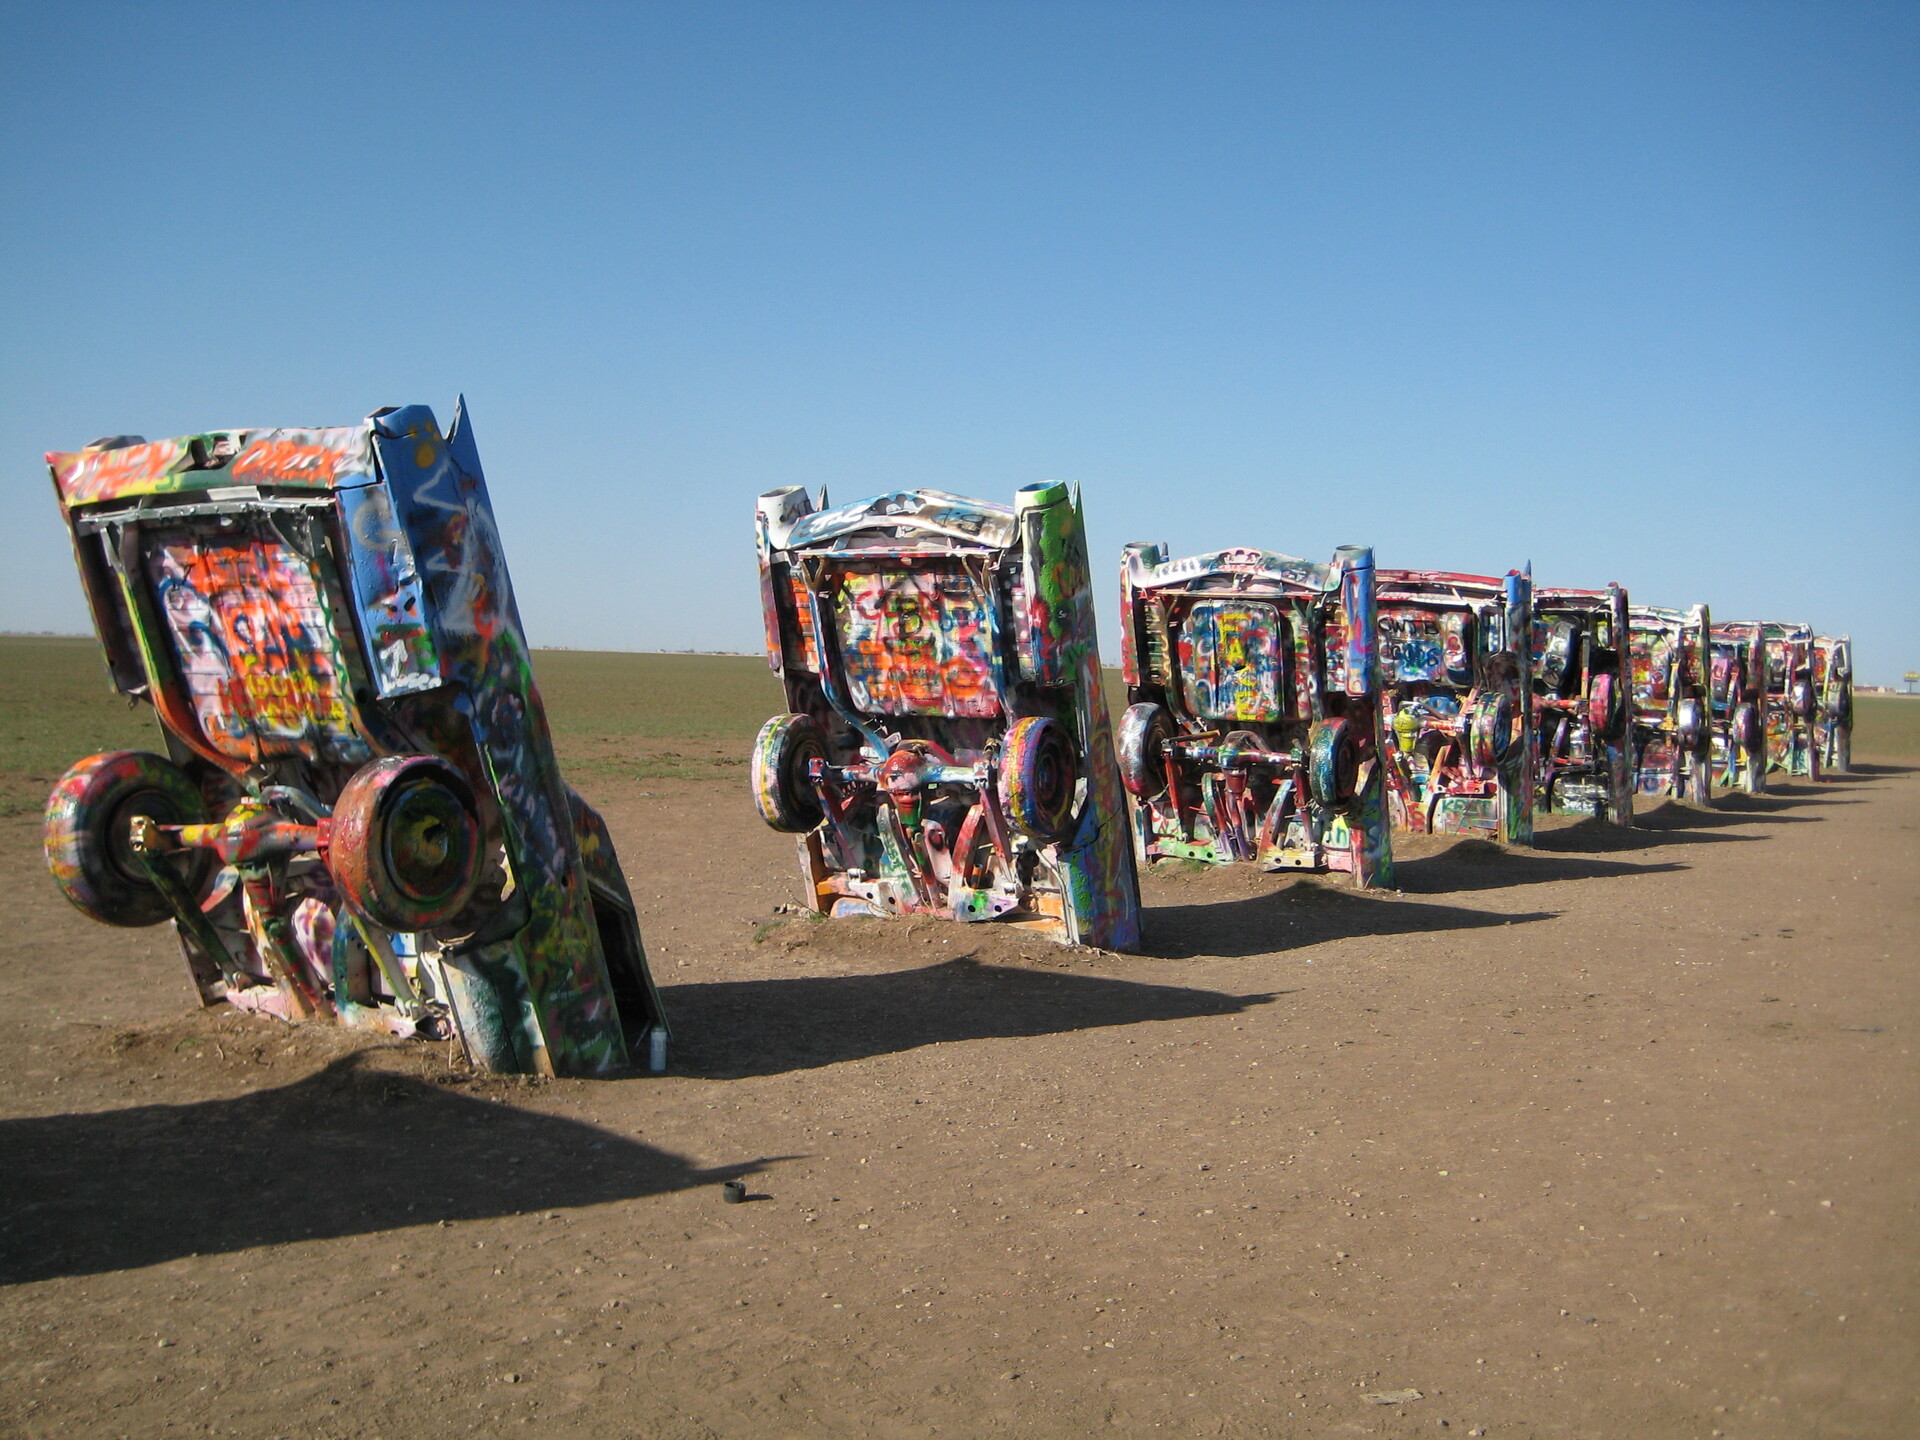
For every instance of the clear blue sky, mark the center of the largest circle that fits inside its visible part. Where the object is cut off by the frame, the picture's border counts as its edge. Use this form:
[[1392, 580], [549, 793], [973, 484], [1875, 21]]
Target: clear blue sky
[[1629, 291]]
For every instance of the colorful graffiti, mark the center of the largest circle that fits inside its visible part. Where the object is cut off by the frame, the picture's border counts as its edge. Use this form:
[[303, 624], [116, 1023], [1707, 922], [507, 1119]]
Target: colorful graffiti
[[928, 765], [1252, 731], [1833, 700], [1736, 686], [1672, 730], [1458, 702], [329, 631], [918, 642], [1232, 654], [1581, 683], [1792, 703], [252, 642]]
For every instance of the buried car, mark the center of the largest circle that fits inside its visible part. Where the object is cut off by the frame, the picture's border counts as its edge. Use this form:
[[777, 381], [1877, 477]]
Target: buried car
[[1456, 669], [1793, 707], [359, 816], [1252, 731], [946, 748], [1672, 703], [1580, 686], [1833, 703], [1738, 695]]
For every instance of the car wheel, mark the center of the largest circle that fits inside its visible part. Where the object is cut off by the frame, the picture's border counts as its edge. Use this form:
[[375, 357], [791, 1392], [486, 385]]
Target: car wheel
[[1333, 764], [1144, 731], [89, 841], [406, 843], [782, 789], [1039, 778]]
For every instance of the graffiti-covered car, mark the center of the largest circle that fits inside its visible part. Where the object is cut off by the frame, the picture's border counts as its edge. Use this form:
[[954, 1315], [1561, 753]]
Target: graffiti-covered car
[[1792, 704], [1252, 731], [946, 748], [1456, 669], [1833, 702], [358, 816], [1739, 704], [1581, 705], [1672, 703]]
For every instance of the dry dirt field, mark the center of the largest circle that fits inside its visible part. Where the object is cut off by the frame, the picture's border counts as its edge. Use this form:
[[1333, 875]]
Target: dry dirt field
[[1614, 1138]]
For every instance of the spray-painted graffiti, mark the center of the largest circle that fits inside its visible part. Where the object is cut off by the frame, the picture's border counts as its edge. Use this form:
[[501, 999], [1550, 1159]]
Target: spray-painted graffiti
[[348, 703], [918, 772], [1233, 655], [1424, 646], [1792, 703], [918, 642], [1456, 670], [1252, 731], [252, 643], [1670, 655], [1833, 698], [1736, 692], [1582, 708]]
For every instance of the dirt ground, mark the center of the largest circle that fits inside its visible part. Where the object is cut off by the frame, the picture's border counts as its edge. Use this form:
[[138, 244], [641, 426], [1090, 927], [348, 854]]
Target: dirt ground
[[1611, 1139]]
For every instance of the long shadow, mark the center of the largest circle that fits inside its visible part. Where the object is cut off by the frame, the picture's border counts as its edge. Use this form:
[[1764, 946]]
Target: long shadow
[[347, 1151], [1865, 770], [1303, 915], [1596, 837], [1771, 803], [1477, 865], [1591, 837], [738, 1028], [1727, 809]]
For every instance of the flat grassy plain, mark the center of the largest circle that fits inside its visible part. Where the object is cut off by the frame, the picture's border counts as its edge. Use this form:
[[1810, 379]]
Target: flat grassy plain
[[615, 715]]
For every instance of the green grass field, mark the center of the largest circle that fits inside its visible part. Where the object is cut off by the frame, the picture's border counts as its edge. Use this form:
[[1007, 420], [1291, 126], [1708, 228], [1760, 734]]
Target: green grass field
[[613, 714]]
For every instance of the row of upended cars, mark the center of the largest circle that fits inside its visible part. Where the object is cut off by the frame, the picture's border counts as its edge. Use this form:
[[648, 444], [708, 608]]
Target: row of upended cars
[[359, 816]]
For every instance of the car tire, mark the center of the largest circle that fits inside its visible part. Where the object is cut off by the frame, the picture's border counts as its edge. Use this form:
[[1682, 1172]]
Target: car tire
[[1040, 778], [89, 842], [783, 792], [1333, 763], [1144, 730], [406, 845]]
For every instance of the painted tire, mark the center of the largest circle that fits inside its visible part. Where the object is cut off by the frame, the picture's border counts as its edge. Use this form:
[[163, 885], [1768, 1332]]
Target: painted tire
[[406, 846], [782, 791], [1143, 730], [1687, 721], [1746, 726], [1802, 698], [89, 847], [1039, 778], [1606, 709], [1490, 728], [1333, 764]]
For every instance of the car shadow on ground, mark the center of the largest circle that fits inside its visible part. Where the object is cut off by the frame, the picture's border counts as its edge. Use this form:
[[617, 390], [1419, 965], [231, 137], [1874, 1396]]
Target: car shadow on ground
[[1670, 822], [1305, 913], [737, 1028], [1866, 770], [347, 1151], [1480, 865]]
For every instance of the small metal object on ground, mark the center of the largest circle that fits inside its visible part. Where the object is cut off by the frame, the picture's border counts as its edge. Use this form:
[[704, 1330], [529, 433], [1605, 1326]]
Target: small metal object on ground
[[733, 1192]]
